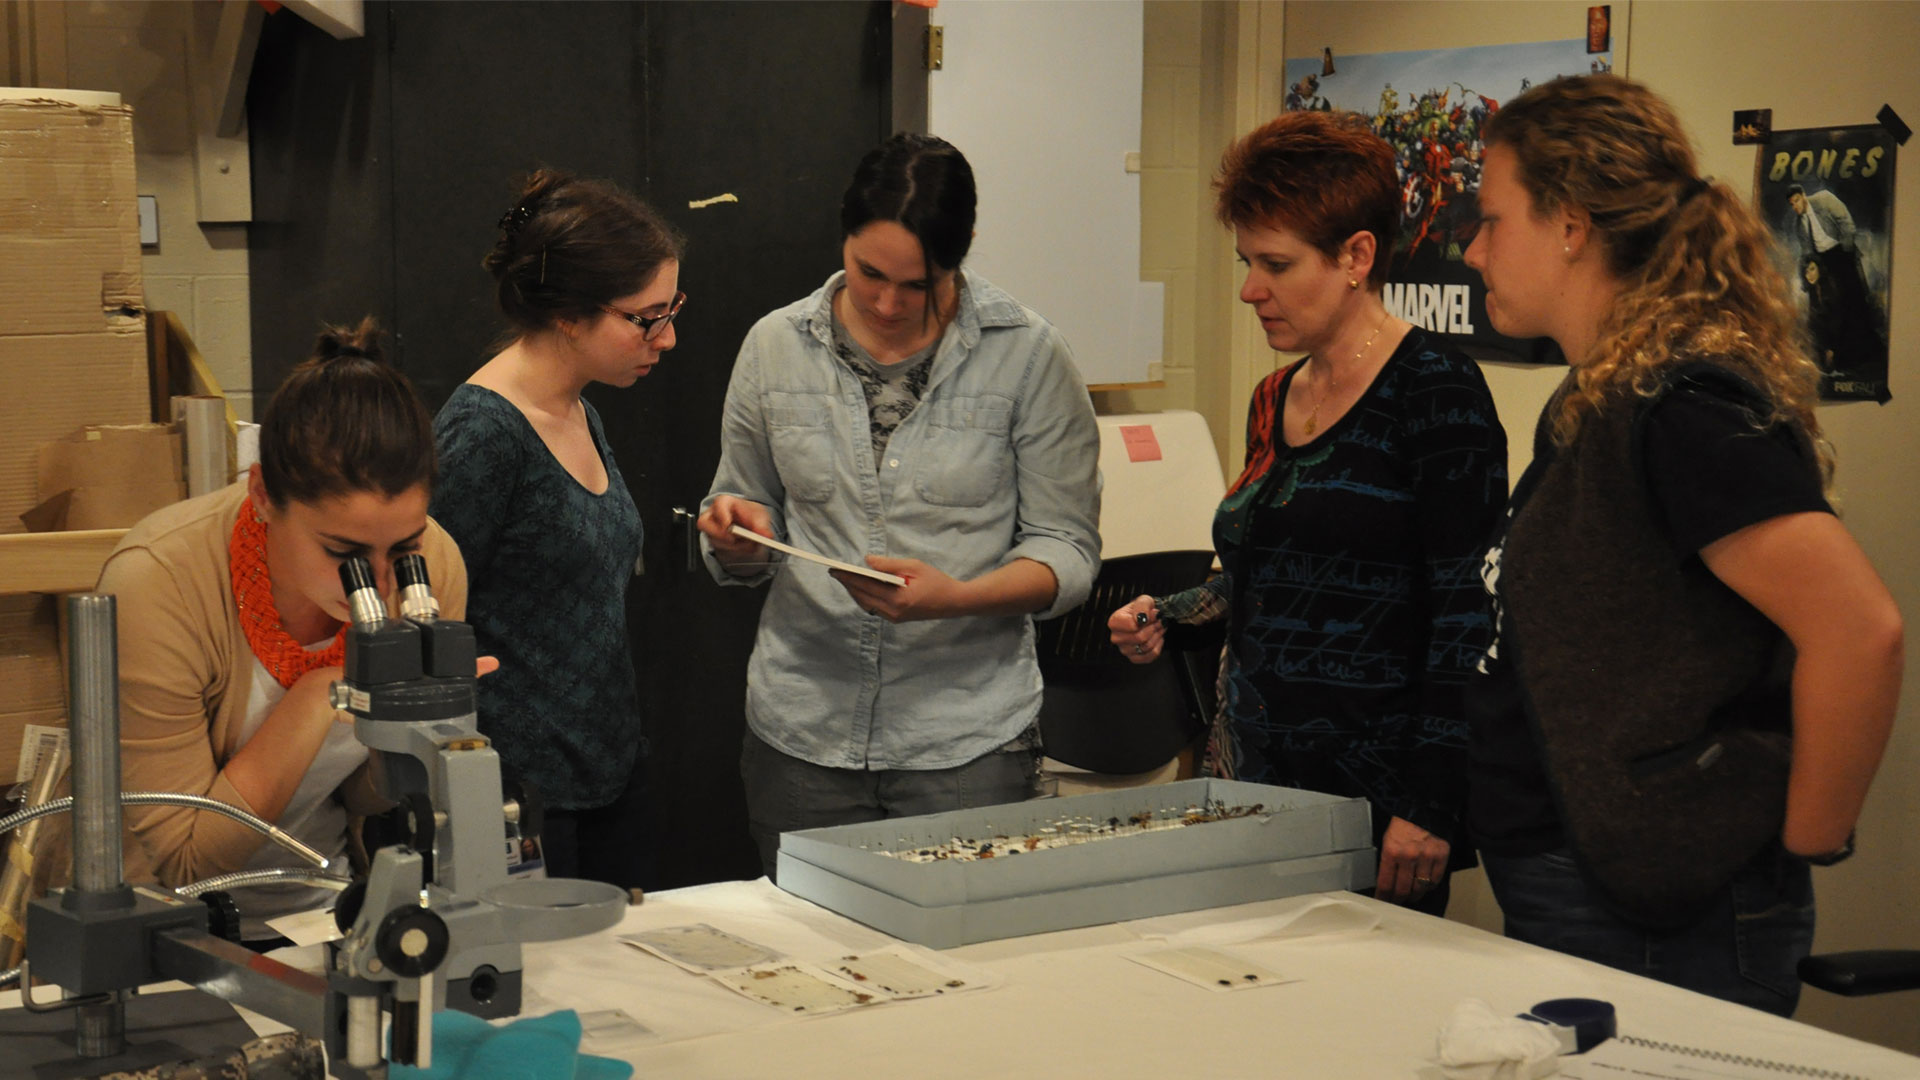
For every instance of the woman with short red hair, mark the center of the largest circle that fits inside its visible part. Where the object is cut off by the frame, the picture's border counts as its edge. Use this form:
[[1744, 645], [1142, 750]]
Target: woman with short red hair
[[1351, 544]]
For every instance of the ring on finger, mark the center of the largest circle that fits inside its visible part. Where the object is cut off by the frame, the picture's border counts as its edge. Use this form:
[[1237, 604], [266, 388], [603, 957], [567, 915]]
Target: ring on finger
[[1139, 650]]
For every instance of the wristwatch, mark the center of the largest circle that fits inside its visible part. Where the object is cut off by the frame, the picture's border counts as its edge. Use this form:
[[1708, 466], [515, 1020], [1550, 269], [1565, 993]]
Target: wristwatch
[[1837, 855]]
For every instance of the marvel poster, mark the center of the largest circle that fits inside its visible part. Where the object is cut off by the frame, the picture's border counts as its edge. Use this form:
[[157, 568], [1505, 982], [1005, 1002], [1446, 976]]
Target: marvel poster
[[1827, 193], [1430, 106]]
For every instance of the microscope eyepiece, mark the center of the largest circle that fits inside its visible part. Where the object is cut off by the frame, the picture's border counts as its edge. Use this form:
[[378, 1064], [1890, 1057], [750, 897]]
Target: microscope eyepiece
[[416, 593], [363, 596], [411, 569]]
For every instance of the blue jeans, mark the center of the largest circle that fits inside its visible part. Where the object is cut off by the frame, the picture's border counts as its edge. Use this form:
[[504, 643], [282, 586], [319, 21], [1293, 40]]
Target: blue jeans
[[1744, 950], [785, 793]]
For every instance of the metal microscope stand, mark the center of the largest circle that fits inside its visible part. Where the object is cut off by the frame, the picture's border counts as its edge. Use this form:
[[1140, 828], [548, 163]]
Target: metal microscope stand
[[437, 924]]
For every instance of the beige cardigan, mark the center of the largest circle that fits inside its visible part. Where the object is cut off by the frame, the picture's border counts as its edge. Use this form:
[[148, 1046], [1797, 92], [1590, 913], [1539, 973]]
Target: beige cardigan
[[185, 672]]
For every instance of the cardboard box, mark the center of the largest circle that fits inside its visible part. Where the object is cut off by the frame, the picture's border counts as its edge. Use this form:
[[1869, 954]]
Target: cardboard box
[[107, 476], [1301, 841], [69, 220], [33, 680], [54, 385], [19, 612], [72, 330], [31, 676], [129, 455]]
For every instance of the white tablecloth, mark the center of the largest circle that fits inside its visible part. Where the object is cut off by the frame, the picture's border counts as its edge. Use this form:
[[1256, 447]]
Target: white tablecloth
[[1367, 1005]]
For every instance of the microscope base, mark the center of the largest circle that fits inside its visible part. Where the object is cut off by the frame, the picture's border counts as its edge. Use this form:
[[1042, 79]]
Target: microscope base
[[161, 1028]]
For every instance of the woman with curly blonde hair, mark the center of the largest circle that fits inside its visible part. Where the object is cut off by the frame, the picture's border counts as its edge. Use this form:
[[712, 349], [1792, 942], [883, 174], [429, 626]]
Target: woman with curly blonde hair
[[1695, 667]]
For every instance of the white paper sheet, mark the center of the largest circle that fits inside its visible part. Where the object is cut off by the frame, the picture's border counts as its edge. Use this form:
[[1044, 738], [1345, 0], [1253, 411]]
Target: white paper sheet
[[863, 571], [905, 971], [700, 948], [1211, 969], [793, 987]]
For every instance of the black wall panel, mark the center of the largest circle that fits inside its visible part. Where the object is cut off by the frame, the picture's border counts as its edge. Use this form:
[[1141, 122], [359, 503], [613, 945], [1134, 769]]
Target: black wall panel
[[381, 166], [482, 94], [320, 248]]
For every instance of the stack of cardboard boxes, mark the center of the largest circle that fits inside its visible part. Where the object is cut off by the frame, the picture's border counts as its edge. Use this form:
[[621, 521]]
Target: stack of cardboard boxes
[[72, 350]]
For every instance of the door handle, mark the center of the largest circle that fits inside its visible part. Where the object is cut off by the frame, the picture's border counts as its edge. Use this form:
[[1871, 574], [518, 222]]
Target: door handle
[[683, 520]]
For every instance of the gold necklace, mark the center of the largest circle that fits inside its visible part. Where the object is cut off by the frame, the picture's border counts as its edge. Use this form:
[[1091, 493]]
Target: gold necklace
[[1313, 417]]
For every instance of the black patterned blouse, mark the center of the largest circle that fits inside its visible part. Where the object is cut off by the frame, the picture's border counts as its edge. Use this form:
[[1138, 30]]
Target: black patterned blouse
[[1353, 592]]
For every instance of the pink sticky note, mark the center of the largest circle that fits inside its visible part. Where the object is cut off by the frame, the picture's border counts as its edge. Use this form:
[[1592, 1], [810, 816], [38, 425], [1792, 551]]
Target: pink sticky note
[[1140, 442]]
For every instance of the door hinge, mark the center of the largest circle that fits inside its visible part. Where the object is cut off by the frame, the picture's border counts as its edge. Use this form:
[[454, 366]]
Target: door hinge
[[936, 47]]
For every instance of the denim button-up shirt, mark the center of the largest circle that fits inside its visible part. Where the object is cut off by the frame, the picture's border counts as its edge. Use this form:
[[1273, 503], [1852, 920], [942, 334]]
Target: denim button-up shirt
[[998, 462]]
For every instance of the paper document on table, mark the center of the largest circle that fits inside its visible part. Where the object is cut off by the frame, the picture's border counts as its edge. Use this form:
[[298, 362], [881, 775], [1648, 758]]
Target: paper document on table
[[700, 948], [1211, 968], [903, 971], [863, 571], [795, 988]]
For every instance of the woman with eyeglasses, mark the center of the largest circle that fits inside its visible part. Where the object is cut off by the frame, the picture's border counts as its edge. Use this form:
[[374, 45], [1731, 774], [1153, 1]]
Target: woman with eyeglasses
[[587, 278], [910, 413]]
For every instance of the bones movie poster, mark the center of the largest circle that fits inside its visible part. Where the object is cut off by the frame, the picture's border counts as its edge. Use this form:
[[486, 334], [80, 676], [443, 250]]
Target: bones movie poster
[[1827, 193]]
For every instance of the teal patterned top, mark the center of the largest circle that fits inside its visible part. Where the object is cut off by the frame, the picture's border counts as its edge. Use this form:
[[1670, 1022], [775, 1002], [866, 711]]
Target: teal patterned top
[[548, 563]]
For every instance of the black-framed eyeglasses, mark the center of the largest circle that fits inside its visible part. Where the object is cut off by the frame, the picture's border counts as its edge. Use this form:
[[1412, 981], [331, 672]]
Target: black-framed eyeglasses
[[651, 326]]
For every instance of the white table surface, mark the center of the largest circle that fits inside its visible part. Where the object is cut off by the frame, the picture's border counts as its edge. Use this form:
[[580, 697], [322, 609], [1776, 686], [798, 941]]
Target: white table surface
[[1071, 1004]]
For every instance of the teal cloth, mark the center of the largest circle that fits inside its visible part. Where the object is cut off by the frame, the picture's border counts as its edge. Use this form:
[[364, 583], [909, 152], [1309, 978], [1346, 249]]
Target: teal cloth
[[531, 1048]]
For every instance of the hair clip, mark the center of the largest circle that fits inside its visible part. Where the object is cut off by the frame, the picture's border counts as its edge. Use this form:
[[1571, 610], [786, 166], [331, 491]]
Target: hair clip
[[511, 221]]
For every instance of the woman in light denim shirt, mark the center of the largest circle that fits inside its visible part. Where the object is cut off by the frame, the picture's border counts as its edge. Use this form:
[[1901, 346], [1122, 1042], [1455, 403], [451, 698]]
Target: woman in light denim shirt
[[916, 416]]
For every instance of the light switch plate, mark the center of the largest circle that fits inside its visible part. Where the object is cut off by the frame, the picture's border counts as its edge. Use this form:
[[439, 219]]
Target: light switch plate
[[149, 221]]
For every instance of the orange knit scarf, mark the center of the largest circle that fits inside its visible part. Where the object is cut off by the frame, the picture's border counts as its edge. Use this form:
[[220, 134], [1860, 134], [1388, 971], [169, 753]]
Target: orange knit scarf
[[283, 657]]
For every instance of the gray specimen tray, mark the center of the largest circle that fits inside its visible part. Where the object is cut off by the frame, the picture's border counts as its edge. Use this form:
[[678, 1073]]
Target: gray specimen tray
[[1302, 842]]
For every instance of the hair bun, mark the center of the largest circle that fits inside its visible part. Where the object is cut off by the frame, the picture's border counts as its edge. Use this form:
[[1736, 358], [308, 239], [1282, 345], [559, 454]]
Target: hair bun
[[360, 342], [528, 205]]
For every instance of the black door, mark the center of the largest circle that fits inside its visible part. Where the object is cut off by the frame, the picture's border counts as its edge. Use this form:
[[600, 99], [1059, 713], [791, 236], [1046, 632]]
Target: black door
[[381, 165]]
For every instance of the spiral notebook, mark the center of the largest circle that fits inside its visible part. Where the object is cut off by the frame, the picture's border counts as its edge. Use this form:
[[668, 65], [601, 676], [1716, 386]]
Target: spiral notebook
[[1626, 1057]]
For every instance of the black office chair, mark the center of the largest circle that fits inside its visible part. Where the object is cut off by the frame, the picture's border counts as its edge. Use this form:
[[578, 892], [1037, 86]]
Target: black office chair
[[1868, 971], [1100, 711]]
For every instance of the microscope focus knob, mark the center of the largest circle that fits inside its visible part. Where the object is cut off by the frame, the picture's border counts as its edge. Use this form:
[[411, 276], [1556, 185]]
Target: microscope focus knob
[[340, 696], [420, 824], [223, 915], [411, 941], [346, 907], [530, 808]]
